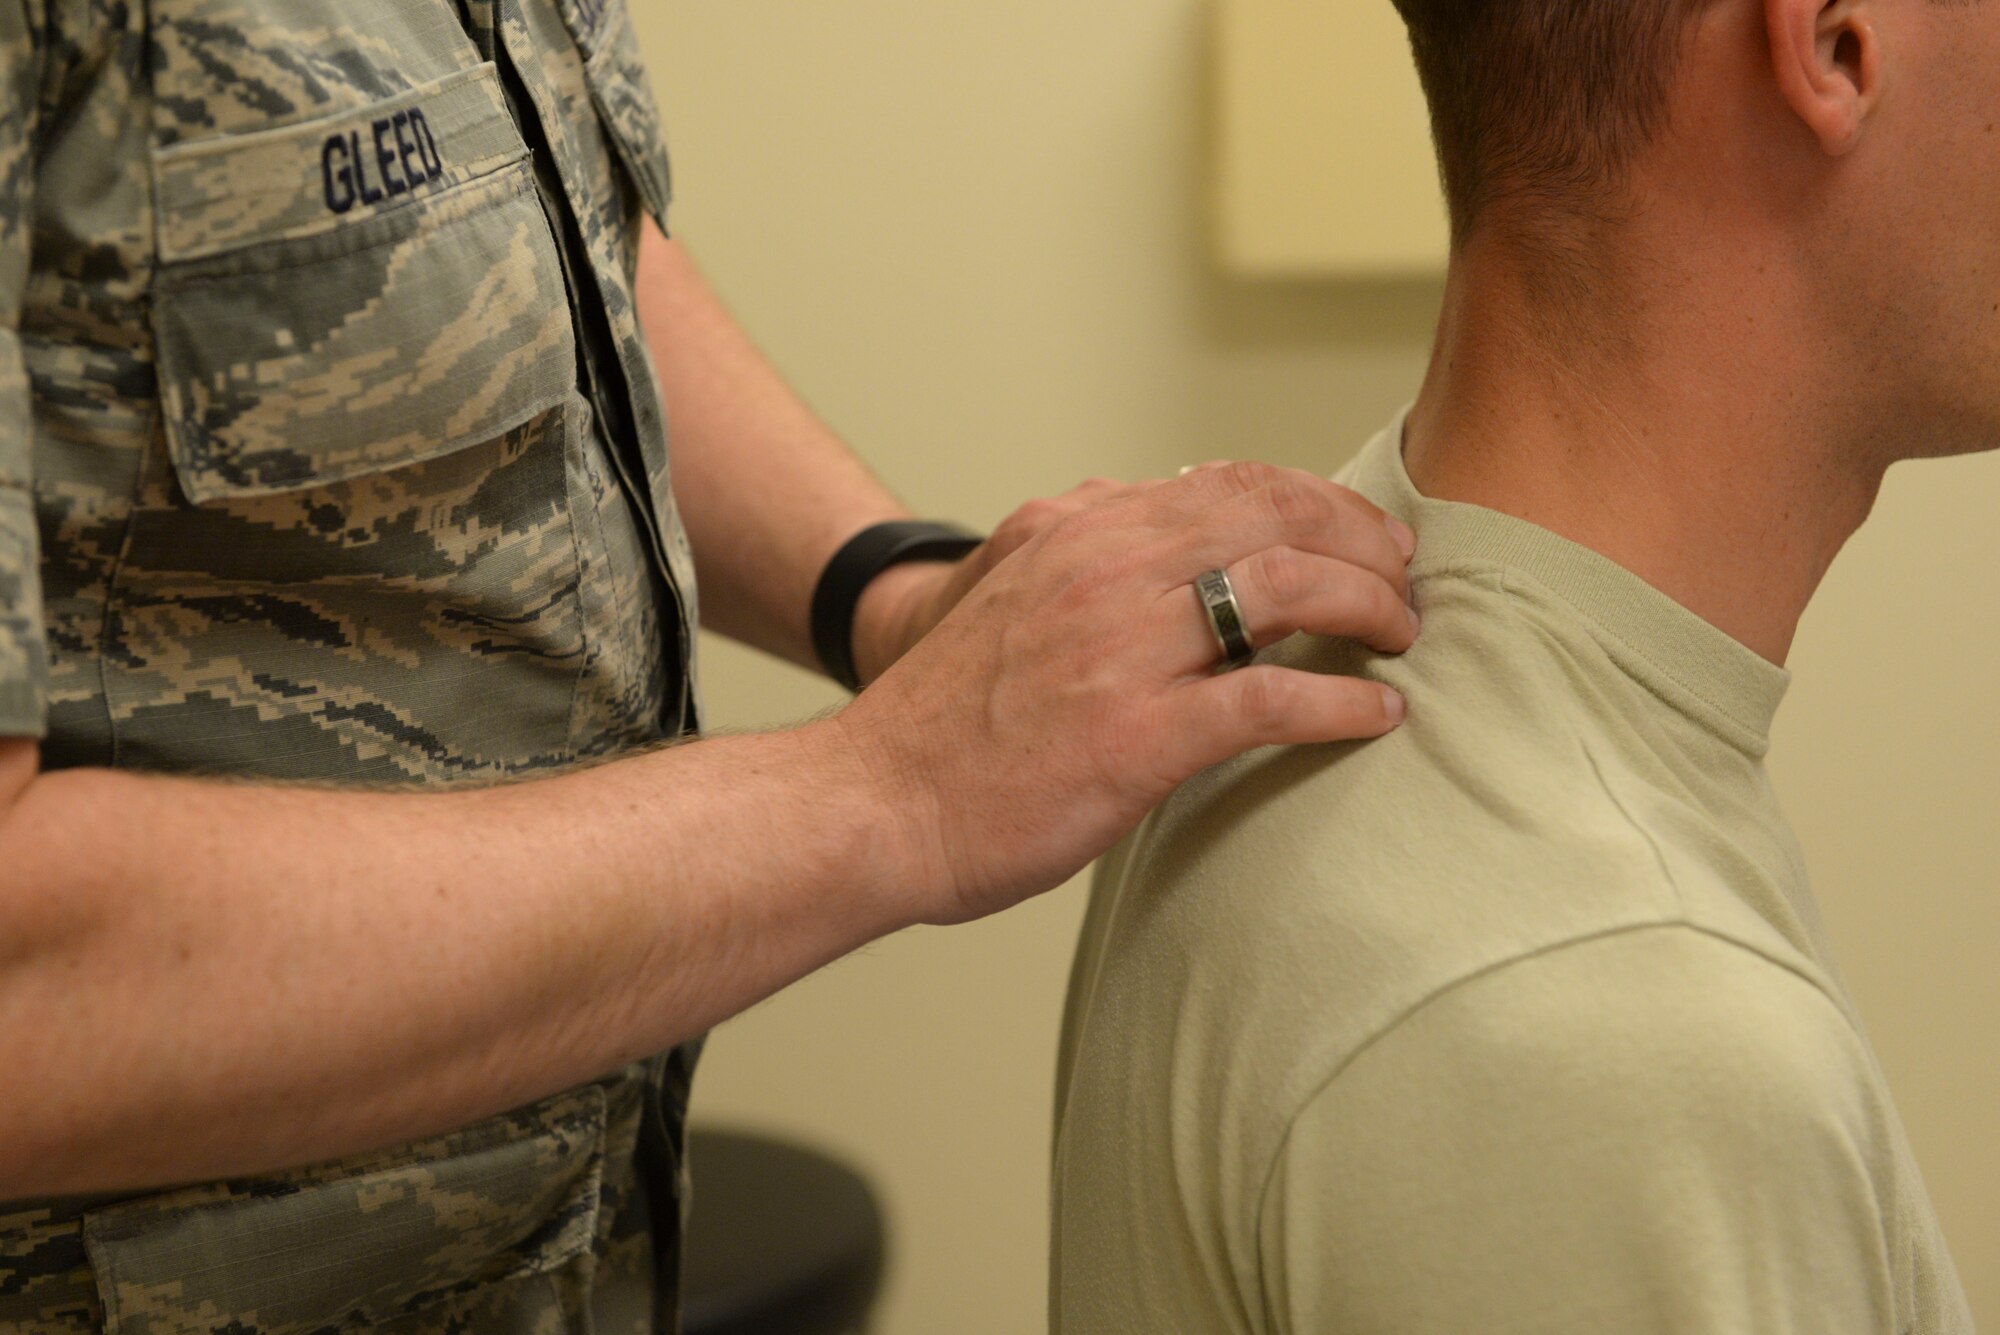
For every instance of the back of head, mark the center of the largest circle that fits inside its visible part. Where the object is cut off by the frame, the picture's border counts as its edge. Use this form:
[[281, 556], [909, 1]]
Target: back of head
[[1818, 178], [1545, 100]]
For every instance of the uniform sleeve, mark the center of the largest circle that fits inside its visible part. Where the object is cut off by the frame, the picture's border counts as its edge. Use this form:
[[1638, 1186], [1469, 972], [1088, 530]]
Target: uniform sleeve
[[1653, 1132], [22, 659]]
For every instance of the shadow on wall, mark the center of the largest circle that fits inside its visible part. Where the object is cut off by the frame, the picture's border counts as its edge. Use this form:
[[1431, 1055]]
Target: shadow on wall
[[1308, 311]]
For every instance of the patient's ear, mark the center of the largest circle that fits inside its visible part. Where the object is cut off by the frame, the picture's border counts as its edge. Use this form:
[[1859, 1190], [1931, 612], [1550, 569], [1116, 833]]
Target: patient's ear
[[1827, 57]]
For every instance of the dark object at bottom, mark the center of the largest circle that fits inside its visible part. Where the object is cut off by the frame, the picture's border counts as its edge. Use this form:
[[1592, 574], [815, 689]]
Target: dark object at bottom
[[781, 1241]]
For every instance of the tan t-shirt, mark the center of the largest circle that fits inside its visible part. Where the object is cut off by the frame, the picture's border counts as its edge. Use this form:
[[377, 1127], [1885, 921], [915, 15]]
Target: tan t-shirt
[[1519, 1020]]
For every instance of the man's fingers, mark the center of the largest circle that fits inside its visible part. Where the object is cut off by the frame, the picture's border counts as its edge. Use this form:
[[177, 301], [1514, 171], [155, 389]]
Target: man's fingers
[[1295, 511], [1211, 721], [1282, 591], [1205, 486]]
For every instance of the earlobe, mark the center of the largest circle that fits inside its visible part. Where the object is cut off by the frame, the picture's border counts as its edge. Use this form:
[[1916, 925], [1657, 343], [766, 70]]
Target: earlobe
[[1827, 57]]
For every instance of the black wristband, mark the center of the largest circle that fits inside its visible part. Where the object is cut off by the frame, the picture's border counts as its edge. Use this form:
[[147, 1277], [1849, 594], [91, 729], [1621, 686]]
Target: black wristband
[[855, 566]]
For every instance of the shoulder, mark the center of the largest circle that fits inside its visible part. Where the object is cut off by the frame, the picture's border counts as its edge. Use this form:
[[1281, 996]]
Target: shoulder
[[1349, 882], [1496, 749], [1655, 1115]]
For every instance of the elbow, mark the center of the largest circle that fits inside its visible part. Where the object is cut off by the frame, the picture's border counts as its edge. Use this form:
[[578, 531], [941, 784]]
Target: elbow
[[48, 827], [24, 891], [57, 855], [20, 762], [53, 900]]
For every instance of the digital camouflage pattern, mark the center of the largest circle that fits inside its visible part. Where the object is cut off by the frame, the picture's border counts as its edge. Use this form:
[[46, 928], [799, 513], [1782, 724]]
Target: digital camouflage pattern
[[330, 450], [340, 405], [532, 1222], [22, 670]]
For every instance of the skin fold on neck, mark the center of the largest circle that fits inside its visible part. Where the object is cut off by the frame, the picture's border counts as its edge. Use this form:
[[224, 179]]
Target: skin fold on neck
[[1676, 420]]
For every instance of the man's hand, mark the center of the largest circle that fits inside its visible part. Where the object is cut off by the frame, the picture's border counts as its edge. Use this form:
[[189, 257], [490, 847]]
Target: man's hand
[[905, 603], [1074, 687]]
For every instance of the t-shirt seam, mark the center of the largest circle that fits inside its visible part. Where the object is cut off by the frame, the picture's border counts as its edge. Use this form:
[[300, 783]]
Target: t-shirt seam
[[1507, 576], [1678, 895], [1485, 971]]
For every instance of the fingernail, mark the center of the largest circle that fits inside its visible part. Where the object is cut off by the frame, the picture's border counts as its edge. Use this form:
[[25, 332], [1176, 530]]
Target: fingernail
[[1189, 469], [1406, 537], [1394, 705], [1416, 622]]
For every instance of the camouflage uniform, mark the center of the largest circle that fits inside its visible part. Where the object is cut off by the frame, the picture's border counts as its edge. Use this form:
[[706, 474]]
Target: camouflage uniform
[[330, 451]]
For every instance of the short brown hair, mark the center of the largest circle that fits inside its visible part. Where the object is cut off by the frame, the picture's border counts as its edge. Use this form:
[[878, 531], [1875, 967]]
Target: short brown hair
[[1544, 99]]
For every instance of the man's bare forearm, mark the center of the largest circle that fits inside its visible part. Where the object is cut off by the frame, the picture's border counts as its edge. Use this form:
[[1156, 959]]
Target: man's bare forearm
[[199, 980], [767, 490]]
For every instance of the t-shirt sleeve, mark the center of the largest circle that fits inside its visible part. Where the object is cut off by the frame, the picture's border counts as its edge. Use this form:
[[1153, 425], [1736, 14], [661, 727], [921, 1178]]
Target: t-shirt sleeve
[[1658, 1131], [23, 672]]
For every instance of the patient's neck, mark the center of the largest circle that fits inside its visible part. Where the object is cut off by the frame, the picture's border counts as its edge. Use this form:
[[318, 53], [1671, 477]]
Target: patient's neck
[[1688, 437]]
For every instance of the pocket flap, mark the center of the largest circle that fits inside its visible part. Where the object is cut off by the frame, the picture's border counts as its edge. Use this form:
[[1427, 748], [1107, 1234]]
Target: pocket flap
[[515, 1196], [233, 190], [318, 323]]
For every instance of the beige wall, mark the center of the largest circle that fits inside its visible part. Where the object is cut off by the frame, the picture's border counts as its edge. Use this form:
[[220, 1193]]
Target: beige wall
[[971, 234]]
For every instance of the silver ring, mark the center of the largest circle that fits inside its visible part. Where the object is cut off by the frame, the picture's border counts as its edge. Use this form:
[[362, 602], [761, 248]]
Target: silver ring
[[1225, 618]]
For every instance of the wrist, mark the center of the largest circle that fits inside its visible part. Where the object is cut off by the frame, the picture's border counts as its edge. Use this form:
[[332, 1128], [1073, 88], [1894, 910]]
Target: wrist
[[852, 573], [883, 819], [886, 613]]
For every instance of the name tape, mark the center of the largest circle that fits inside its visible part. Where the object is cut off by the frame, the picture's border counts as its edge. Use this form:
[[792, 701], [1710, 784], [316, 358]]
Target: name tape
[[399, 154]]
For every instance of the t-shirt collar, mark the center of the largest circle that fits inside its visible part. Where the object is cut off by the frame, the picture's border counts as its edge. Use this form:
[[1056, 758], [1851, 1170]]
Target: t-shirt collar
[[1689, 662]]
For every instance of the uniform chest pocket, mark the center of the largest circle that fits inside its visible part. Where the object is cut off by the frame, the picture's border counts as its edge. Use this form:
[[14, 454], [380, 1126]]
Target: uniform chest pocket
[[388, 556], [356, 293]]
